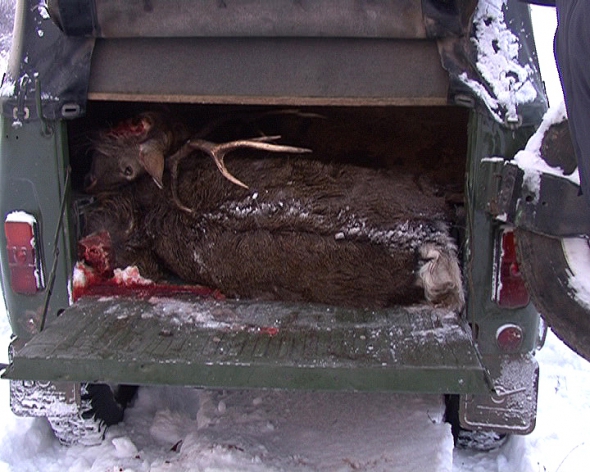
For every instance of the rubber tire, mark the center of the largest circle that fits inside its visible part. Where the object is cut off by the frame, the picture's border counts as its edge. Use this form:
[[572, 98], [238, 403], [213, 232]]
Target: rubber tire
[[481, 441], [545, 270], [100, 407]]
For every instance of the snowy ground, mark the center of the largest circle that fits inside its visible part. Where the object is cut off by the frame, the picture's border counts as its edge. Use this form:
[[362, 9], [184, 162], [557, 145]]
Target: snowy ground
[[181, 429]]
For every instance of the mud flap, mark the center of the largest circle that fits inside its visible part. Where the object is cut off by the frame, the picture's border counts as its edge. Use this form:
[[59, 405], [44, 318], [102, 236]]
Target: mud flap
[[512, 408]]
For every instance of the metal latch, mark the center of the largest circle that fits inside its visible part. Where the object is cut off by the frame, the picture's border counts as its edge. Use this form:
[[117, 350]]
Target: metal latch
[[555, 207], [21, 111]]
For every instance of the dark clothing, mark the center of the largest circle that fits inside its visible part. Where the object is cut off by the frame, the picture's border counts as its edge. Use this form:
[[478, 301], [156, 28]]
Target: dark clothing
[[572, 51], [572, 54]]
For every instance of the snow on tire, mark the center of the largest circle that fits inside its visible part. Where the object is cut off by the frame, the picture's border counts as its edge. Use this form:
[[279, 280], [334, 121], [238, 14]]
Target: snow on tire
[[556, 274], [100, 407]]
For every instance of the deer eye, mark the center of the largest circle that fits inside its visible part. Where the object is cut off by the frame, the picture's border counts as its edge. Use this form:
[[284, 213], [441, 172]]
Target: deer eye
[[128, 171]]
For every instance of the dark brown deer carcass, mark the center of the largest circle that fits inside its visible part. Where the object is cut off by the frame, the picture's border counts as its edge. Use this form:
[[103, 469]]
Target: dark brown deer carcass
[[308, 231]]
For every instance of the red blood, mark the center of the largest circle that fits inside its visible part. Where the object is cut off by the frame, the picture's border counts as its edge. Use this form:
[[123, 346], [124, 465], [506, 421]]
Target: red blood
[[95, 250], [269, 330], [130, 127]]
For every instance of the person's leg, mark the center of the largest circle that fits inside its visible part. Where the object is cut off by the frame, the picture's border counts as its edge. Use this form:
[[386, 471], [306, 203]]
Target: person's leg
[[572, 52]]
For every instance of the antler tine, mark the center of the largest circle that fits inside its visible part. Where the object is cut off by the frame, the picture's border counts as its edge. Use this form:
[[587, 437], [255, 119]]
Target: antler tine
[[173, 161], [263, 144], [219, 151]]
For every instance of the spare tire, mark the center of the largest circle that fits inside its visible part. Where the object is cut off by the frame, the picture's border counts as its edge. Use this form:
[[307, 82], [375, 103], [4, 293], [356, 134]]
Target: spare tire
[[553, 269]]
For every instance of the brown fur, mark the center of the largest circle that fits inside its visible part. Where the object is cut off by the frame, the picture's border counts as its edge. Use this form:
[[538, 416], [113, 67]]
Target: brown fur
[[306, 231], [134, 147]]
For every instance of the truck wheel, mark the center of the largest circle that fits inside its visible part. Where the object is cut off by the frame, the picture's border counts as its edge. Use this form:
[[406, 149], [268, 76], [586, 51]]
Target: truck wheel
[[482, 441], [100, 407], [553, 270]]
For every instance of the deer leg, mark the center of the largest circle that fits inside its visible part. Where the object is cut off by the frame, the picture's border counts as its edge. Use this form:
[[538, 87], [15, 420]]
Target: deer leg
[[440, 276]]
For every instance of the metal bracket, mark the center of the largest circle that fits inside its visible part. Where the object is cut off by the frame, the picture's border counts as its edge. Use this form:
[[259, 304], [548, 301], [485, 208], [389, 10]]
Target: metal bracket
[[29, 105], [47, 129], [556, 208], [21, 111], [502, 189]]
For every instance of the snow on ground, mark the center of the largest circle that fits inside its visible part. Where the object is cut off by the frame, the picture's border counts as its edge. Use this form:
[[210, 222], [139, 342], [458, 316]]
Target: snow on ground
[[186, 429], [561, 439], [304, 431]]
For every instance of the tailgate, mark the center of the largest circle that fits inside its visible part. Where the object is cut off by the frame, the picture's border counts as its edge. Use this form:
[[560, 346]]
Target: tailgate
[[214, 343]]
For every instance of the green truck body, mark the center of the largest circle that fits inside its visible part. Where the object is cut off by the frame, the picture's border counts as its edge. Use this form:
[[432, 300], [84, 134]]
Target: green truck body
[[413, 62]]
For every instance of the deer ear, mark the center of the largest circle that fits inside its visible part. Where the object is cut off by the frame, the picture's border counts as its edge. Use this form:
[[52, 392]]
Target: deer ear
[[151, 158], [147, 121]]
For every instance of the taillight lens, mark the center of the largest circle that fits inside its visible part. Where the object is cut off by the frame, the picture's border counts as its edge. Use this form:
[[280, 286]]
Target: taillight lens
[[510, 291], [509, 337], [26, 274]]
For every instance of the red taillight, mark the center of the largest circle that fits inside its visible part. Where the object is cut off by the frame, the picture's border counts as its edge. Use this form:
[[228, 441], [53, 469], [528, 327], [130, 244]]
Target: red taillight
[[510, 290], [509, 337], [26, 275]]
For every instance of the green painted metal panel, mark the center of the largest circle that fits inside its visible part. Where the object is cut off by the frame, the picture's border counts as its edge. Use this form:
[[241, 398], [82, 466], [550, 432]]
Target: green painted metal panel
[[295, 71], [228, 344], [33, 179], [488, 138]]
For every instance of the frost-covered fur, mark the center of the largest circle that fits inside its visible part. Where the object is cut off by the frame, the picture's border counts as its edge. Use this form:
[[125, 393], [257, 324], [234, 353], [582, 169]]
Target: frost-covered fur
[[306, 231]]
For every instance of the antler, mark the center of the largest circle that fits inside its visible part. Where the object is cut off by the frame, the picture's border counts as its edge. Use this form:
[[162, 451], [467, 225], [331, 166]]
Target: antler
[[218, 152]]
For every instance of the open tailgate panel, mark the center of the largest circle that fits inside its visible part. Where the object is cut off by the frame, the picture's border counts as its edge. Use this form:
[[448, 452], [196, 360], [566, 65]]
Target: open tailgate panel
[[253, 344]]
